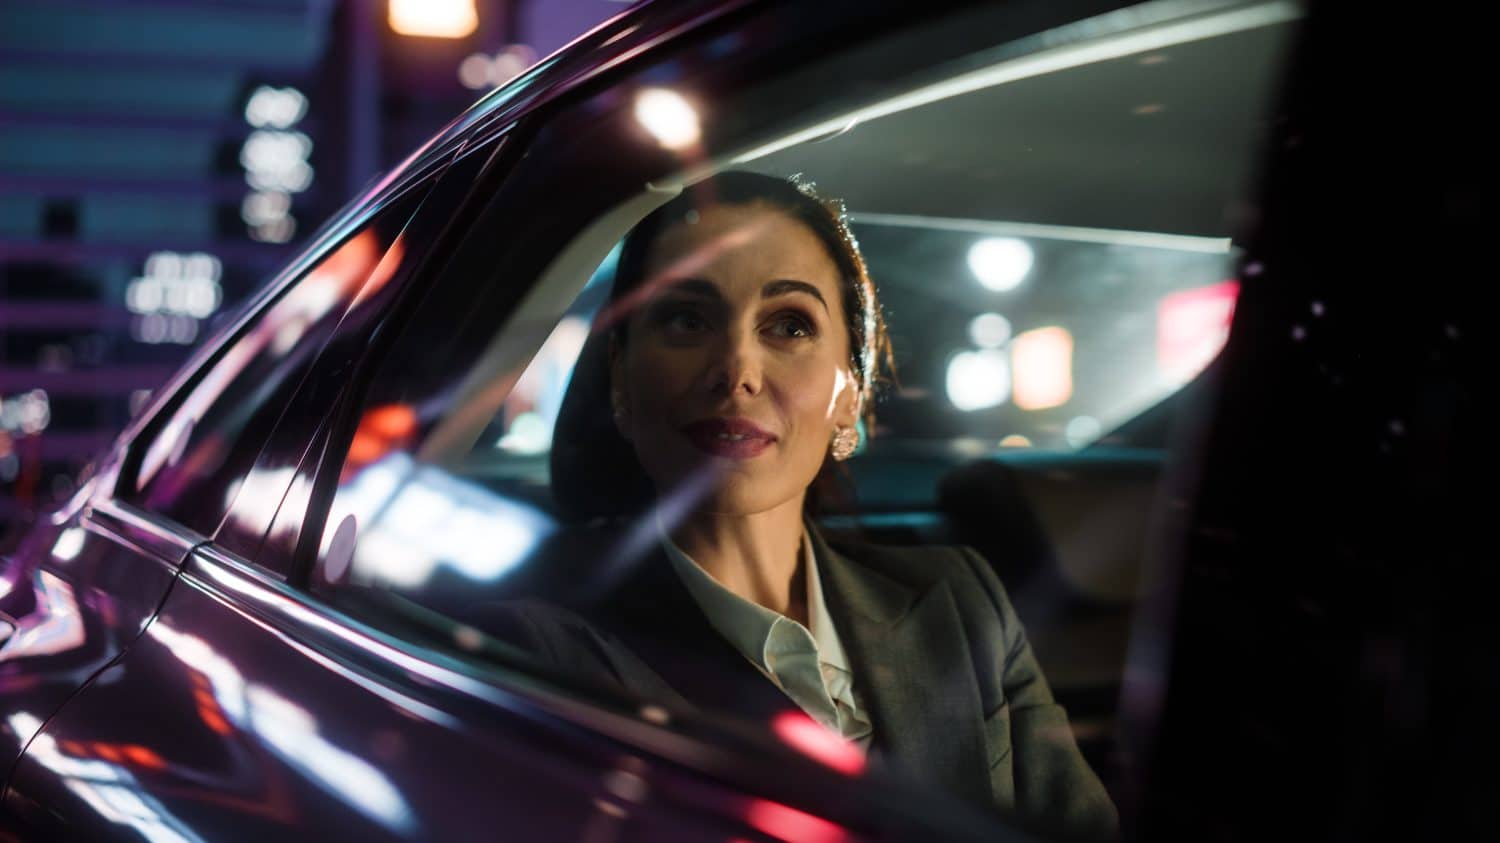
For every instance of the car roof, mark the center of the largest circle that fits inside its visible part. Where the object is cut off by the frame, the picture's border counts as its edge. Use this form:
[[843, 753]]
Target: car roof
[[596, 52]]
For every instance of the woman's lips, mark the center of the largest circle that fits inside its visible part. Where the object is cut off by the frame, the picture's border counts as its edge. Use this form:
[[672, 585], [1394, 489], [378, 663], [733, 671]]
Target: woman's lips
[[736, 439]]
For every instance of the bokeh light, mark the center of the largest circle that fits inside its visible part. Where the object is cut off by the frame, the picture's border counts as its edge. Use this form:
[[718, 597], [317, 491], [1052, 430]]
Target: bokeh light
[[1001, 263], [989, 330], [1042, 362], [434, 18], [978, 380], [669, 117]]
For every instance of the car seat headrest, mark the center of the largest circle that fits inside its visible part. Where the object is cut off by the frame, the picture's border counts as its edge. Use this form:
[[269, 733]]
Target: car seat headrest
[[595, 473]]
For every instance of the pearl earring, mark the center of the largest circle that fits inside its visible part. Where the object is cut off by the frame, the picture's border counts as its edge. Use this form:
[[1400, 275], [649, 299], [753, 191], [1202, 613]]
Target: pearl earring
[[845, 440]]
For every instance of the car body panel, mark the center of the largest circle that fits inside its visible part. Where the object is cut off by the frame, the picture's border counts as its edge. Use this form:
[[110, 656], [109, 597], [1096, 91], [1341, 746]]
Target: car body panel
[[244, 711], [245, 760], [78, 591]]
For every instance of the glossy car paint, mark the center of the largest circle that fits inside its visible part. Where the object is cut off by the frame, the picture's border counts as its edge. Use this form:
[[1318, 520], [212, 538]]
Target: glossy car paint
[[78, 590], [389, 747]]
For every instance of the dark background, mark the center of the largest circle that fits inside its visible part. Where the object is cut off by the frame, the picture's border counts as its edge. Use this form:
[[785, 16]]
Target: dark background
[[123, 135]]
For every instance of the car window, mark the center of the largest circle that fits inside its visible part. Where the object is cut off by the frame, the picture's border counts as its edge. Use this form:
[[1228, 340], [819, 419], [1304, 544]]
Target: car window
[[189, 465], [264, 521], [1050, 229]]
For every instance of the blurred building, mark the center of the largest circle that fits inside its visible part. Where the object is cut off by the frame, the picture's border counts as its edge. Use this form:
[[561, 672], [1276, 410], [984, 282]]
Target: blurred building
[[160, 159]]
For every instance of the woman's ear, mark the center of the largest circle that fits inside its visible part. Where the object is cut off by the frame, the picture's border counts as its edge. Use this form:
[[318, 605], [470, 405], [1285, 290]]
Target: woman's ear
[[849, 403]]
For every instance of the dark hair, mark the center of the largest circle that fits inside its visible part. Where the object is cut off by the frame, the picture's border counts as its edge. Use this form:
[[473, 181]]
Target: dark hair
[[869, 345]]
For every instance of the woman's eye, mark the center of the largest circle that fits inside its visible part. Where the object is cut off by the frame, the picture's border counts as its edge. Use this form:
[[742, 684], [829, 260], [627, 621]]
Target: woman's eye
[[682, 320], [791, 326]]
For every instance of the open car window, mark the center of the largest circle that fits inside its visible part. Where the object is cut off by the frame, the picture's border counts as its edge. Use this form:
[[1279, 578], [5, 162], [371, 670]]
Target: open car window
[[1050, 226]]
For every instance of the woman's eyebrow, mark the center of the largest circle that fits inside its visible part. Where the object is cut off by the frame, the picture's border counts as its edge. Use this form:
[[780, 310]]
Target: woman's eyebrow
[[693, 286], [785, 286]]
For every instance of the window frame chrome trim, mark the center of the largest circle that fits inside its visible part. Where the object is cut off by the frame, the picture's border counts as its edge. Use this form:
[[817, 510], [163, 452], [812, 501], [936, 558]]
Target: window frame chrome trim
[[126, 524]]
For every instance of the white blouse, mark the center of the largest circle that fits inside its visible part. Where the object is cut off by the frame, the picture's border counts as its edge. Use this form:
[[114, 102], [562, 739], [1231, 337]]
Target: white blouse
[[808, 665]]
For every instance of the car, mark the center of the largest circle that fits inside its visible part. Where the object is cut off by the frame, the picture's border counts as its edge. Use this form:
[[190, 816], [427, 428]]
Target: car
[[1122, 250]]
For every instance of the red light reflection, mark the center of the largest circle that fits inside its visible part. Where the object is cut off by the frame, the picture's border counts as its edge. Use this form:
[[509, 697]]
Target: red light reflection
[[114, 753], [792, 825], [108, 752], [141, 756], [392, 421], [1192, 326], [383, 271], [208, 707], [805, 735], [381, 430]]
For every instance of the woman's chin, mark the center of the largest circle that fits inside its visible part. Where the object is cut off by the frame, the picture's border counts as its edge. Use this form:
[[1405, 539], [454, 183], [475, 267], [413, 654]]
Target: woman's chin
[[728, 493], [736, 502]]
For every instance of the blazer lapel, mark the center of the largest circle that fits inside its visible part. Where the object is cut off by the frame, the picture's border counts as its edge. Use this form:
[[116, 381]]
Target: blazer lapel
[[655, 617], [912, 666]]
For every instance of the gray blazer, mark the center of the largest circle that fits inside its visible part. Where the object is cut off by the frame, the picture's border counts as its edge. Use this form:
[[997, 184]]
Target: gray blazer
[[939, 658]]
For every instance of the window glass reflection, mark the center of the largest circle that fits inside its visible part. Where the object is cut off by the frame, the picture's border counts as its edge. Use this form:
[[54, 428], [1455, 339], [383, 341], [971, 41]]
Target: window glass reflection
[[960, 545], [194, 464]]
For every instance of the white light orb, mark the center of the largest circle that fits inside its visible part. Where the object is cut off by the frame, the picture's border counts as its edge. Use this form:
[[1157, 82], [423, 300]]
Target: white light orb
[[669, 117], [474, 71], [1001, 263], [275, 108], [1082, 430], [511, 62], [263, 206], [978, 380], [989, 330]]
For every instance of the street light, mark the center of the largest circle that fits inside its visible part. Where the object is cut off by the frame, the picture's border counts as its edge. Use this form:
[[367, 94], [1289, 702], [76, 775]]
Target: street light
[[433, 18]]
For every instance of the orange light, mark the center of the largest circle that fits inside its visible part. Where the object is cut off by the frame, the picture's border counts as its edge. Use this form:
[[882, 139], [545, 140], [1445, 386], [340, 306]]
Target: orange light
[[107, 752], [433, 18], [345, 269], [805, 735], [392, 421], [1042, 368], [213, 720], [383, 271], [366, 448], [143, 757], [209, 712]]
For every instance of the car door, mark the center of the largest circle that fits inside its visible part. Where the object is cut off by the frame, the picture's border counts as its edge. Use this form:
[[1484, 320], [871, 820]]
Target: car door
[[83, 584], [321, 669], [83, 587]]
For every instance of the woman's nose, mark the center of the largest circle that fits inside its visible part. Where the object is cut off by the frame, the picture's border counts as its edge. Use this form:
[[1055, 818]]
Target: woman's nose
[[737, 369]]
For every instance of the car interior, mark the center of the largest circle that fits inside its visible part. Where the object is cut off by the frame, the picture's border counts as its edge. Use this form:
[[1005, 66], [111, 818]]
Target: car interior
[[1055, 260]]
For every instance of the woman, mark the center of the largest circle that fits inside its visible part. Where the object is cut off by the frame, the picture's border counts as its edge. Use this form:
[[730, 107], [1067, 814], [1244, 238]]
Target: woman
[[744, 344]]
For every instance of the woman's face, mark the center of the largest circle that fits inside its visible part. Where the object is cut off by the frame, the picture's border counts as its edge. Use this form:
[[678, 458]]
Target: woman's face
[[736, 368]]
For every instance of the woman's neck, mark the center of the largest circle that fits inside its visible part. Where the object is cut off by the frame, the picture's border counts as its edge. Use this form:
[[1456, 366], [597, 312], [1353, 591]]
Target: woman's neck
[[757, 556]]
